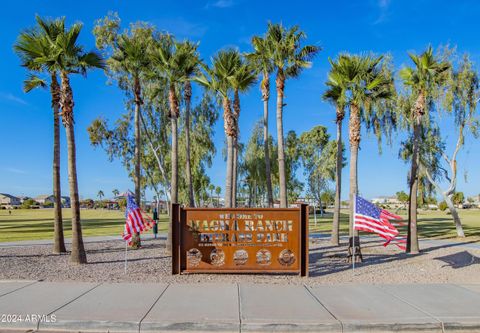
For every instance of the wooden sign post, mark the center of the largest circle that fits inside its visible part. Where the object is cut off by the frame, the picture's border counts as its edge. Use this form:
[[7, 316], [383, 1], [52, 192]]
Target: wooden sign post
[[240, 240]]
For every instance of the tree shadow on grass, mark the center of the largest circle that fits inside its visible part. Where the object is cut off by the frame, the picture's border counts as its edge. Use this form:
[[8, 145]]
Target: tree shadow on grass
[[338, 261], [67, 224]]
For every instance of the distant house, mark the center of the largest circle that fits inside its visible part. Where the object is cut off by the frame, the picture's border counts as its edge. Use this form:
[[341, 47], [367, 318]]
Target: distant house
[[23, 198], [9, 200], [66, 202], [384, 200], [45, 199]]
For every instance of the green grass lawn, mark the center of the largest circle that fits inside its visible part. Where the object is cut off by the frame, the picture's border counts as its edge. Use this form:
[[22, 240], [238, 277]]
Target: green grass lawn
[[26, 224], [38, 223], [432, 224]]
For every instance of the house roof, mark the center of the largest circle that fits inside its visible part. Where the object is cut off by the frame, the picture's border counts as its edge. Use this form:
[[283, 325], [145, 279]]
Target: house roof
[[9, 196], [43, 196]]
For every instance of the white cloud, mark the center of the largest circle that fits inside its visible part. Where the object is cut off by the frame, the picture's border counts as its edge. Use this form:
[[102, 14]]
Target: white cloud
[[383, 6], [221, 4], [383, 3], [12, 98], [15, 170]]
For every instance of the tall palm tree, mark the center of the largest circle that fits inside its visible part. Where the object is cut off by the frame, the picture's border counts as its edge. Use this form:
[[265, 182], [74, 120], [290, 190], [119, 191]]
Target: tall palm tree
[[170, 60], [33, 47], [289, 59], [262, 60], [336, 94], [70, 58], [100, 195], [128, 64], [191, 67], [428, 74], [129, 56], [242, 78], [211, 188], [369, 85], [218, 191], [217, 79], [115, 192]]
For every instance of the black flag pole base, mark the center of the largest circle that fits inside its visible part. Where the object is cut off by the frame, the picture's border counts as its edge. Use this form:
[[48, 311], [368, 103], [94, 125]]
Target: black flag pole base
[[357, 252]]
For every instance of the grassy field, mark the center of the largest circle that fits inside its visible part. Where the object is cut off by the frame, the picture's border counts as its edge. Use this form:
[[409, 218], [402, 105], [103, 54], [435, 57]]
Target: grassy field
[[432, 224], [28, 224], [38, 224]]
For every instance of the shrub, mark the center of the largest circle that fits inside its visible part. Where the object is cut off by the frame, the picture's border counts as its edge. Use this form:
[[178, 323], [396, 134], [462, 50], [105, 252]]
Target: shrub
[[442, 206], [27, 203]]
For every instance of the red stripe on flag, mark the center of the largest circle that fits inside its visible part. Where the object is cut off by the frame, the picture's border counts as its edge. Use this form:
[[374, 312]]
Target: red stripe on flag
[[375, 226]]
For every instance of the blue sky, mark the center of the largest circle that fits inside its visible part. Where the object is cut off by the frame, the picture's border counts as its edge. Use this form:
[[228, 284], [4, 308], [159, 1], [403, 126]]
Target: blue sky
[[355, 26]]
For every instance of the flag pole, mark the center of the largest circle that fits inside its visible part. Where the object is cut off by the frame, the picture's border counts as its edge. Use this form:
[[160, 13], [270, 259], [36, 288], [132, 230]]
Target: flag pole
[[126, 248], [353, 233]]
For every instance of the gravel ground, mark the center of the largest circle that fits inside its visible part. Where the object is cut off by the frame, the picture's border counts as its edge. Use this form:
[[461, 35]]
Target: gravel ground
[[328, 265]]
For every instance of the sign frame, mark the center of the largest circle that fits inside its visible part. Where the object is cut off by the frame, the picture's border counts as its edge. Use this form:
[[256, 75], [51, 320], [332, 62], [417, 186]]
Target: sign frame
[[181, 238]]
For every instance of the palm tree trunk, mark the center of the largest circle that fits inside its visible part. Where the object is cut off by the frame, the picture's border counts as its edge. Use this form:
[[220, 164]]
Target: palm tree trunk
[[234, 172], [280, 82], [136, 242], [230, 129], [354, 125], [236, 115], [78, 254], [59, 240], [335, 237], [268, 173], [229, 179], [188, 99], [412, 233], [174, 113]]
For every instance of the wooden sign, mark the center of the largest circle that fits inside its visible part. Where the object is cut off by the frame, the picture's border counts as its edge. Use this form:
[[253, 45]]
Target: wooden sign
[[240, 240]]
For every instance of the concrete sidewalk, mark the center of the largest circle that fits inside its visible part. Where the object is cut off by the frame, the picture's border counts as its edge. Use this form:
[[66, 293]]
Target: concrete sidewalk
[[48, 306]]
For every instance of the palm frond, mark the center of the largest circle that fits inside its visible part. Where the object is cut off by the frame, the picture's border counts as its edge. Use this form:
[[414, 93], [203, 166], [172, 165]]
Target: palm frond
[[32, 82]]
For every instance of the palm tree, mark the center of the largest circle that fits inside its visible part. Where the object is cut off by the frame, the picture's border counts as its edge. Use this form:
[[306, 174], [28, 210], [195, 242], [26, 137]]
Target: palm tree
[[191, 67], [211, 188], [336, 94], [289, 59], [129, 56], [71, 59], [115, 192], [100, 195], [369, 84], [218, 191], [171, 61], [128, 64], [36, 54], [262, 60], [423, 79], [217, 79], [242, 78]]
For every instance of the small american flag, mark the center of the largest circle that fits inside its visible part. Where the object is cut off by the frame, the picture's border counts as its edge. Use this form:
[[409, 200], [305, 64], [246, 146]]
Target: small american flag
[[370, 218], [135, 220]]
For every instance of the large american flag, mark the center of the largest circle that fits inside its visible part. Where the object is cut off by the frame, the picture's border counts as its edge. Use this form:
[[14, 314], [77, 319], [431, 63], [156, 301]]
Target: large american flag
[[136, 221], [370, 218]]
